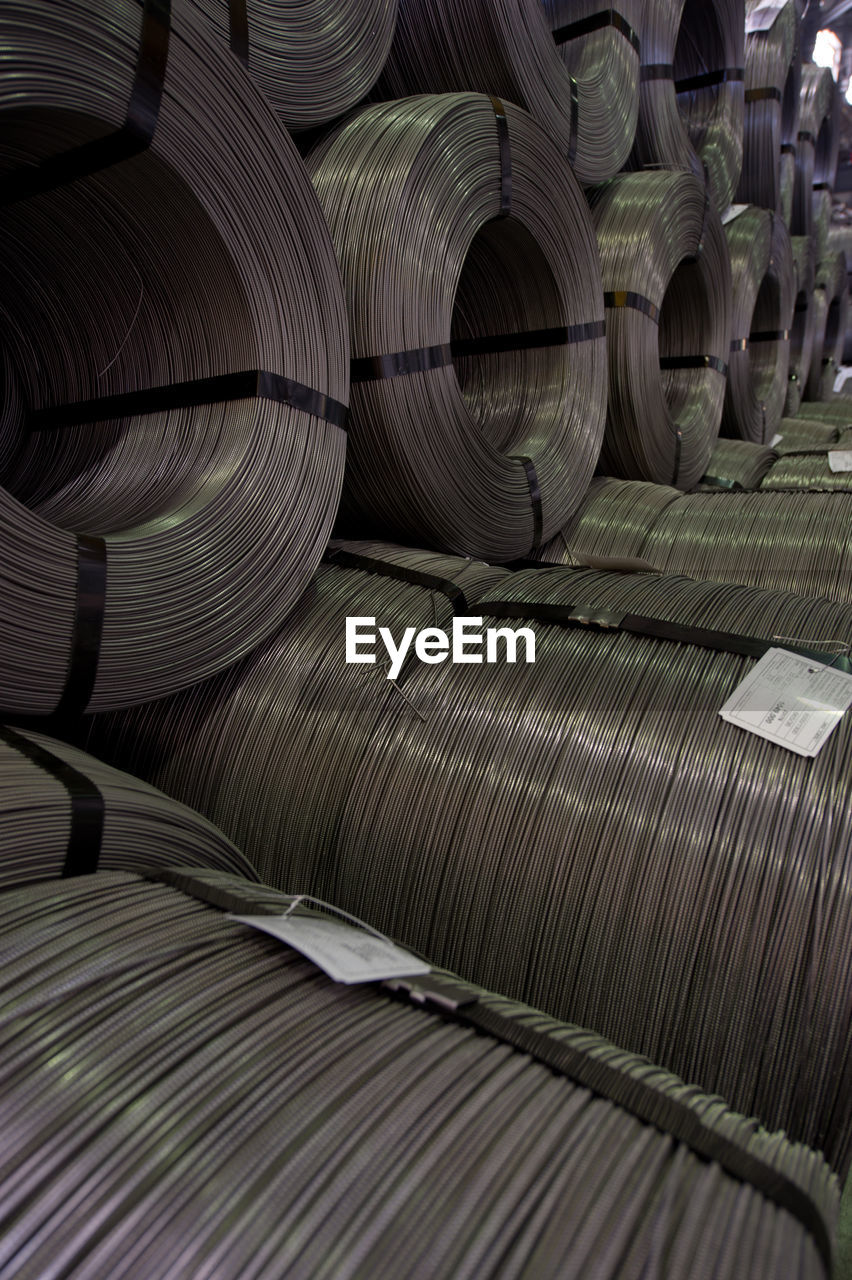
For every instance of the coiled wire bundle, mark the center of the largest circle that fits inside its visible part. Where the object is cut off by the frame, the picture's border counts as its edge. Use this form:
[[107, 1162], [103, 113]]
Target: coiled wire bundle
[[667, 287], [803, 325], [831, 305], [691, 100], [175, 329], [795, 463], [311, 59], [573, 64], [816, 145], [221, 1107], [476, 314], [63, 813], [772, 88], [763, 296], [737, 464]]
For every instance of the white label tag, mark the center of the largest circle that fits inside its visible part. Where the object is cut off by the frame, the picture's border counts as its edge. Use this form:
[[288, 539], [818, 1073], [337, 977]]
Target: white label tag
[[840, 459], [762, 18], [790, 700], [733, 211], [345, 953], [776, 439]]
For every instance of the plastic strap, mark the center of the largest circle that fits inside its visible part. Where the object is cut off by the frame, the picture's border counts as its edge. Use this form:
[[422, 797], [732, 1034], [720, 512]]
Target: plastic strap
[[597, 22], [768, 93], [85, 835], [694, 362], [134, 136], [505, 157], [385, 569], [721, 482], [635, 301], [656, 71], [822, 186], [739, 344], [88, 628], [574, 121], [805, 136], [535, 497], [726, 75], [239, 31], [769, 335], [252, 384], [423, 359], [788, 148], [678, 451]]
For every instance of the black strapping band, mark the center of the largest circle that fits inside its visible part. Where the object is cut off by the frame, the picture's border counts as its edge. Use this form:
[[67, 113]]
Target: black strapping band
[[804, 136], [769, 93], [134, 136], [535, 497], [574, 120], [83, 850], [416, 577], [635, 301], [694, 362], [677, 454], [239, 30], [739, 344], [725, 75], [505, 157], [788, 148], [88, 628], [770, 335], [252, 384], [422, 359], [721, 482], [657, 71], [597, 22], [822, 186], [441, 995]]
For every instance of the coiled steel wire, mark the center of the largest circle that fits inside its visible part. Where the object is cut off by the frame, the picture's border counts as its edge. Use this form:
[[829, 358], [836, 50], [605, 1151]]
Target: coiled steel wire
[[803, 325], [573, 64], [198, 269], [798, 461], [817, 144], [478, 399], [221, 1107], [667, 283], [737, 464], [831, 305], [772, 87]]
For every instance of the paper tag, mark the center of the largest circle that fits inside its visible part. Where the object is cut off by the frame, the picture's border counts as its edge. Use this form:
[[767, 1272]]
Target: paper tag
[[790, 700], [345, 953], [763, 16], [733, 211], [840, 459], [776, 439]]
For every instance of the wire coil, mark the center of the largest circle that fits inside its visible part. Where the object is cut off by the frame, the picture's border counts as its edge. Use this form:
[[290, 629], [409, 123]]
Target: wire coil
[[175, 331], [817, 144], [802, 329], [691, 99], [772, 88], [476, 313], [573, 64], [737, 464], [831, 306], [312, 60], [668, 325], [222, 1107], [763, 294]]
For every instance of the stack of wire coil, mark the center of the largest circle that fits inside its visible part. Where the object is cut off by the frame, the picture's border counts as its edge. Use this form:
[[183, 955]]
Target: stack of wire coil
[[573, 64], [65, 814], [803, 325], [312, 60], [175, 358], [772, 87], [763, 294], [691, 102], [477, 324], [219, 1106], [668, 324], [831, 306], [541, 827], [817, 144]]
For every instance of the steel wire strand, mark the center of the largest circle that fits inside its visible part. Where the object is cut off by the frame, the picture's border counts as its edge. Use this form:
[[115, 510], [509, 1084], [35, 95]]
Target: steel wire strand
[[312, 60], [573, 64], [40, 807], [691, 94], [817, 144], [772, 89], [363, 1137], [203, 256], [802, 329], [736, 464], [831, 305], [763, 293], [667, 286], [476, 449], [835, 411]]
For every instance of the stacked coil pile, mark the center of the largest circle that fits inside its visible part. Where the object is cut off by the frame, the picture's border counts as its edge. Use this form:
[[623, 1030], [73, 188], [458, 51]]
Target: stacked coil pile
[[773, 77], [223, 1108], [816, 145], [312, 61], [476, 313], [175, 358], [803, 324], [573, 64], [584, 832], [763, 294], [831, 305], [64, 814], [668, 325], [691, 102]]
